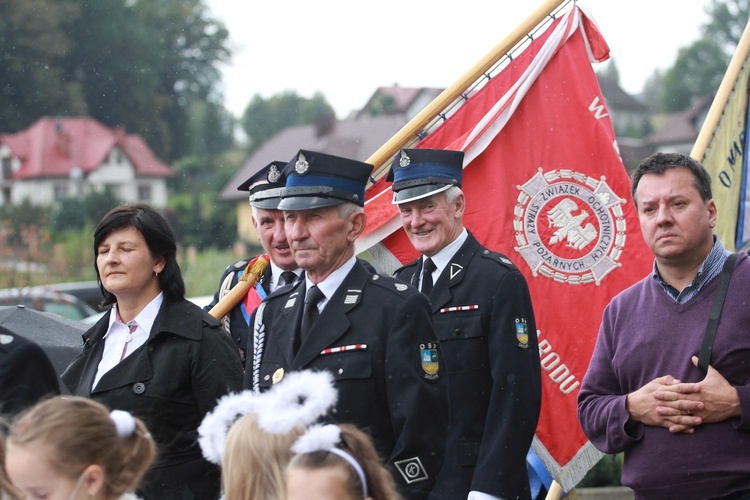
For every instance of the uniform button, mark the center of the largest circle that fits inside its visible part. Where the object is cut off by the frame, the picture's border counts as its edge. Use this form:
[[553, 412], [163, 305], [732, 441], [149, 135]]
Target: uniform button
[[457, 331], [139, 388], [341, 370], [267, 377]]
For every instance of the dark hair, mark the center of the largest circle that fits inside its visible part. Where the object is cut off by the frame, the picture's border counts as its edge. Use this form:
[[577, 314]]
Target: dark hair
[[160, 240], [380, 484], [660, 162]]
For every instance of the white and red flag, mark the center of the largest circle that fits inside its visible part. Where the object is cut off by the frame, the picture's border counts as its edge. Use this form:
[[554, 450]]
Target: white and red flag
[[545, 186]]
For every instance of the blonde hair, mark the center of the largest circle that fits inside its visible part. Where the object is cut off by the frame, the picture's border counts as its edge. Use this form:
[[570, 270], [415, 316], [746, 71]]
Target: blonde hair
[[254, 460], [380, 484], [78, 432], [7, 490]]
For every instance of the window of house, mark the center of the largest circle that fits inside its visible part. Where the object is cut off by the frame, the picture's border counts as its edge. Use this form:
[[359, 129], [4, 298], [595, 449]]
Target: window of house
[[60, 191], [144, 192], [7, 167]]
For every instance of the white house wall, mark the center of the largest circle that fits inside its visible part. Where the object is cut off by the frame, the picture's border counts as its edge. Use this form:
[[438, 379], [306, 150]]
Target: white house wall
[[37, 191]]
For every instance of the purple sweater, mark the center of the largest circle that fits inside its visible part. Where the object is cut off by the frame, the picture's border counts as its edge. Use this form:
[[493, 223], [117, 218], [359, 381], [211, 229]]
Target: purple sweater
[[644, 335]]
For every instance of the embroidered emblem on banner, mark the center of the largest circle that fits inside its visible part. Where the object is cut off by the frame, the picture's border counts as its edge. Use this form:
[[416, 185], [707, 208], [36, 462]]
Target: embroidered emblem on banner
[[428, 356], [569, 227]]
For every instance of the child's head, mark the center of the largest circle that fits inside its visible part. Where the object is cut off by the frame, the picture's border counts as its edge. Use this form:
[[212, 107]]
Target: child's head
[[70, 447], [337, 462], [7, 490], [250, 448], [255, 448]]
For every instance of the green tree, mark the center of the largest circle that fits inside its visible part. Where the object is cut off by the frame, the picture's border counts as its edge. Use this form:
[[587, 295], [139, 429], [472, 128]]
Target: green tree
[[77, 213], [728, 20], [210, 128], [697, 71], [653, 92], [699, 67], [141, 63], [612, 72], [263, 118], [34, 44], [383, 104]]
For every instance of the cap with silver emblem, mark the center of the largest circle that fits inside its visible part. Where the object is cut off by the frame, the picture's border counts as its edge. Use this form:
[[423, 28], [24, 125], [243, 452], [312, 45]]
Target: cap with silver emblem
[[419, 173], [265, 186], [315, 180]]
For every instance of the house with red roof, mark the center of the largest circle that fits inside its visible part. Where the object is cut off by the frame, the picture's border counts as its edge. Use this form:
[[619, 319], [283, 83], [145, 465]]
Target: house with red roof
[[57, 158]]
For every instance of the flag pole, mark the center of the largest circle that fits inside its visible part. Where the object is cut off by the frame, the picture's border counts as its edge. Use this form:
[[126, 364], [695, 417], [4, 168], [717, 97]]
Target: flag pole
[[416, 124], [722, 96]]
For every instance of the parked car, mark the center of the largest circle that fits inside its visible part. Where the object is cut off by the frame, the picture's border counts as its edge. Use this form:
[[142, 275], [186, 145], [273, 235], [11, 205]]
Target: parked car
[[60, 303]]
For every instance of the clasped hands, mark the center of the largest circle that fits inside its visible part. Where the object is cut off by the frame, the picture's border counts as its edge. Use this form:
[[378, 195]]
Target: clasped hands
[[681, 407]]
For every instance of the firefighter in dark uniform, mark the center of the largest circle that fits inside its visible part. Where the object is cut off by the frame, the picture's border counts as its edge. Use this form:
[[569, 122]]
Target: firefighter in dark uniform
[[372, 332], [485, 325], [264, 188]]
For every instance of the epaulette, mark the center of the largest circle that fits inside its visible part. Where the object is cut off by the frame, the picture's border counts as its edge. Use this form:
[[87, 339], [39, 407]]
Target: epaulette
[[390, 283], [239, 265], [499, 258], [406, 266]]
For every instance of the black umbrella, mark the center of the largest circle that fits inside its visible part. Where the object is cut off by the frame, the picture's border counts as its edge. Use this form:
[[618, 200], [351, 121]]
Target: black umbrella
[[59, 337]]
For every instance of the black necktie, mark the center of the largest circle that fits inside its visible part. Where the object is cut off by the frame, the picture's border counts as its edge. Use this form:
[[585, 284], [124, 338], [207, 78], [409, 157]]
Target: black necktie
[[289, 277], [310, 313], [429, 266]]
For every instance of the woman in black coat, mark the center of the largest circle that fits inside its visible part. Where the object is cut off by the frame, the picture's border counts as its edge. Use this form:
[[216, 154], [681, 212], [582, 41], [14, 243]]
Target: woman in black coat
[[155, 354]]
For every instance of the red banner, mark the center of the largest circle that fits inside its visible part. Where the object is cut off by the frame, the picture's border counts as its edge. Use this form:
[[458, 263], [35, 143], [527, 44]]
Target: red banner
[[545, 186]]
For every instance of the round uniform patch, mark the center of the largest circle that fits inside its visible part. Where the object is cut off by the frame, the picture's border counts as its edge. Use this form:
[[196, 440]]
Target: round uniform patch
[[569, 227], [277, 376]]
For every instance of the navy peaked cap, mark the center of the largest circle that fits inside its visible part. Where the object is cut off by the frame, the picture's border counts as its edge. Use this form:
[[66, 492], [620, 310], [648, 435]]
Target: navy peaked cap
[[418, 173], [265, 186], [315, 180]]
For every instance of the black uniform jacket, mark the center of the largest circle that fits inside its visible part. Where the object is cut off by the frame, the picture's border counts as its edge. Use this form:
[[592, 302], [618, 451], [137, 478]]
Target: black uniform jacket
[[235, 323], [26, 374], [482, 310], [170, 383], [372, 336]]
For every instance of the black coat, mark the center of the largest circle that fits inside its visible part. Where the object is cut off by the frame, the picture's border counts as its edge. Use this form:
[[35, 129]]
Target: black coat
[[26, 374], [383, 388], [494, 379], [170, 383], [235, 323]]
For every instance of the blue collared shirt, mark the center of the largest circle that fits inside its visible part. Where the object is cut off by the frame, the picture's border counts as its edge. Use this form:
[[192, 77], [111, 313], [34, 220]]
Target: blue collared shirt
[[710, 268]]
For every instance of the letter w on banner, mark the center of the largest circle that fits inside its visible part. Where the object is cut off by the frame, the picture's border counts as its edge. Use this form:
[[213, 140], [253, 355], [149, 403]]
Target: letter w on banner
[[545, 186]]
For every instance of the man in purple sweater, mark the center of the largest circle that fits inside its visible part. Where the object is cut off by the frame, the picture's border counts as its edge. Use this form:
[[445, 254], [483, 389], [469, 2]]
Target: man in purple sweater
[[684, 435]]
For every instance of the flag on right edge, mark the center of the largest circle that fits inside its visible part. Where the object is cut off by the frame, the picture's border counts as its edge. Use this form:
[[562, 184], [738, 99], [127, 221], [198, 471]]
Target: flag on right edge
[[722, 147]]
